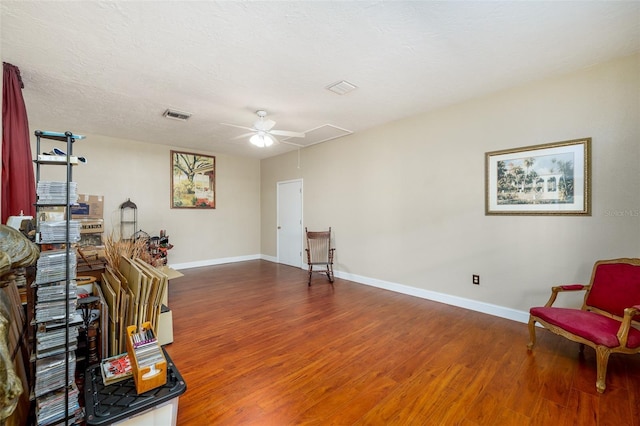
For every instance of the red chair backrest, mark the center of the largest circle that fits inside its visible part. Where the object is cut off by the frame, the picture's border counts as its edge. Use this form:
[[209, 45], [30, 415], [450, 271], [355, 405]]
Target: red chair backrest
[[615, 286]]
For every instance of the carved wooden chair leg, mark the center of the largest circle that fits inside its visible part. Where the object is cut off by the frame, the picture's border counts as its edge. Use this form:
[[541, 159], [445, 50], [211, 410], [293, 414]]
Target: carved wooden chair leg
[[310, 272], [602, 359], [532, 334]]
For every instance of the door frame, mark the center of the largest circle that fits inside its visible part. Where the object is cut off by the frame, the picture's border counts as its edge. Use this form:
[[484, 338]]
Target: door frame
[[301, 217]]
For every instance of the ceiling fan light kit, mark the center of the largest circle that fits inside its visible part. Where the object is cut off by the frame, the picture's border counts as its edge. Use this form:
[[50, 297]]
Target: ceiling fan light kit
[[261, 140], [262, 134]]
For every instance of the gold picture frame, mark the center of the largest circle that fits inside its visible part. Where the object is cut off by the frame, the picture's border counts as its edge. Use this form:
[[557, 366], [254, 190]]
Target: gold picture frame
[[547, 179], [193, 181]]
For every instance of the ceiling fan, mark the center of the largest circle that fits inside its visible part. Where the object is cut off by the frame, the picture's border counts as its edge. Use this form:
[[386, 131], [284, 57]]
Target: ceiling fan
[[262, 133]]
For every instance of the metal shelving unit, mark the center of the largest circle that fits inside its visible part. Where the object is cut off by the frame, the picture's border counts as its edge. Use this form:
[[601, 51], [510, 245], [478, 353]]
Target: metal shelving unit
[[128, 220], [54, 299]]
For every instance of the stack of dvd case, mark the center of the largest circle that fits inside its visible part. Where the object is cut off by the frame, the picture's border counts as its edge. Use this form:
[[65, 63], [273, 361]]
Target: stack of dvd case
[[56, 231], [52, 342], [55, 193], [52, 266], [57, 334], [51, 373], [57, 291], [50, 408]]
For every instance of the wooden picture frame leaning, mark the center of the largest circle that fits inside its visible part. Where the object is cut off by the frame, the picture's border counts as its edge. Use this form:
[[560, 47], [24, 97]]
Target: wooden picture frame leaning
[[547, 179], [193, 181]]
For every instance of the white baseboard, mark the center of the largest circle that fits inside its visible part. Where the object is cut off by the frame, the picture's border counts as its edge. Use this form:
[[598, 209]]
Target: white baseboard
[[211, 262], [461, 302], [269, 258]]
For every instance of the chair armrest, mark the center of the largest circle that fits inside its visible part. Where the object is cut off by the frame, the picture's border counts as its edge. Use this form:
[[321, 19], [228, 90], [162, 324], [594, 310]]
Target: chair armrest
[[572, 287], [560, 288], [623, 331]]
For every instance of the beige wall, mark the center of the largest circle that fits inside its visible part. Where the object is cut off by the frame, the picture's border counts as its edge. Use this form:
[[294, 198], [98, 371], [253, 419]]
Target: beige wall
[[120, 169], [406, 200]]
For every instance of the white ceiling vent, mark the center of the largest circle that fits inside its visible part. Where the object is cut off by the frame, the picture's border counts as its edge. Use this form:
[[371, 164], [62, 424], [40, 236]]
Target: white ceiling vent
[[177, 115], [342, 87]]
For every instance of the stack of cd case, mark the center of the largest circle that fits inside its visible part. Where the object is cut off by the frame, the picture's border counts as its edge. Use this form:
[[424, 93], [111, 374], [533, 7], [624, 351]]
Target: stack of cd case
[[56, 231], [57, 290], [52, 266], [51, 375], [55, 193], [50, 408], [52, 342], [148, 363], [55, 310]]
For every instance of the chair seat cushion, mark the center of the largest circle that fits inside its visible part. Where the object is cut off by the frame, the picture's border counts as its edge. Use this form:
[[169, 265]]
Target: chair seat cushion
[[588, 325]]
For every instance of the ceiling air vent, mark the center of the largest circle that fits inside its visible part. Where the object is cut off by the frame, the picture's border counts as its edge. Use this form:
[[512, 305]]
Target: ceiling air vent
[[342, 87], [177, 115]]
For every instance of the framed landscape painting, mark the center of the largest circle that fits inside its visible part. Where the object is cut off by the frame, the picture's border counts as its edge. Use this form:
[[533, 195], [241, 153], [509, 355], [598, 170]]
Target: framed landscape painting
[[193, 181], [548, 179]]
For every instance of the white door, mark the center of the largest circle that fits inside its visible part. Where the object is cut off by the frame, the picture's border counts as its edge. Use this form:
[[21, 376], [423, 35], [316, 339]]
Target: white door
[[289, 217]]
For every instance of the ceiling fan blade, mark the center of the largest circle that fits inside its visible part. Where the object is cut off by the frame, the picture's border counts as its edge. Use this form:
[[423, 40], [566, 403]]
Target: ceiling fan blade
[[264, 124], [287, 133], [244, 135], [239, 127]]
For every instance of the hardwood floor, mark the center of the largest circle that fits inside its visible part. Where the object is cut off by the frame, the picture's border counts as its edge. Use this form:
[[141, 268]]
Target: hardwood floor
[[256, 346]]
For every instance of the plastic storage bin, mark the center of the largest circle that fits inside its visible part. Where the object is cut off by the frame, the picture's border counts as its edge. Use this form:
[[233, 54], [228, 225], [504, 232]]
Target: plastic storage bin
[[120, 404]]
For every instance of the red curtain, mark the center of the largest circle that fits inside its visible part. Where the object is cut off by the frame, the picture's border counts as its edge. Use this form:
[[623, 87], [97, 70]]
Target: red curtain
[[18, 182]]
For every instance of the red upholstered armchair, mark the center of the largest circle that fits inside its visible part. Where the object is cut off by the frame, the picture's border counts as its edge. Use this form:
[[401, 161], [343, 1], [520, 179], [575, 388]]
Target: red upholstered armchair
[[609, 320]]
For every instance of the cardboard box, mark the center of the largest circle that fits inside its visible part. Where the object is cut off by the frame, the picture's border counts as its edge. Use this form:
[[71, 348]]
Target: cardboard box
[[90, 240], [165, 326], [91, 226], [51, 214], [89, 207], [171, 274], [57, 159]]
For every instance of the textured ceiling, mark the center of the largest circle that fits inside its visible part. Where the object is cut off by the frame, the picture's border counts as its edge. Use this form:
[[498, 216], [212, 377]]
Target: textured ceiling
[[113, 67]]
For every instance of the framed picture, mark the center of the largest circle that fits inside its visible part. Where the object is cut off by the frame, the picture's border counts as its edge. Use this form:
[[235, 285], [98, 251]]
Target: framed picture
[[193, 181], [548, 179]]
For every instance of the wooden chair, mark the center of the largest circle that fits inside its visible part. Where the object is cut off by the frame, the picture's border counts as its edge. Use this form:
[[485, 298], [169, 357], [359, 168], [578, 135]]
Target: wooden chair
[[609, 320], [320, 253]]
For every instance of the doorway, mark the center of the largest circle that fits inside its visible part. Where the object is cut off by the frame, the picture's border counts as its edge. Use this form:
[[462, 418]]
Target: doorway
[[289, 222]]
